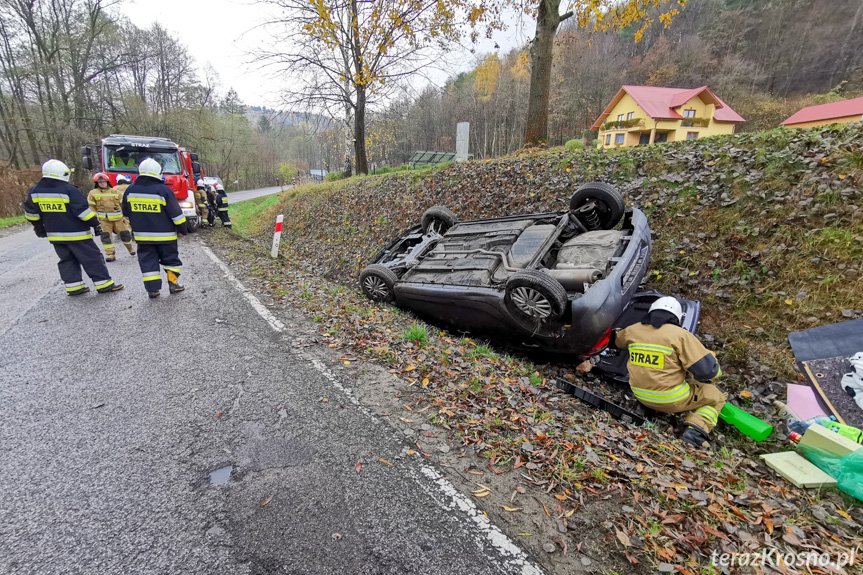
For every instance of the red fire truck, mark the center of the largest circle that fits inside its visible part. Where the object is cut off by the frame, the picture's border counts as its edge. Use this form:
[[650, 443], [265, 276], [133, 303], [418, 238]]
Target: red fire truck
[[121, 154]]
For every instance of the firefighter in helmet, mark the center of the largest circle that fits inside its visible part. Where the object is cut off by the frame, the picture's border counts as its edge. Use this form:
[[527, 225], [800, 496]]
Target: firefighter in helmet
[[201, 199], [58, 210], [106, 202], [222, 205], [669, 370], [156, 217]]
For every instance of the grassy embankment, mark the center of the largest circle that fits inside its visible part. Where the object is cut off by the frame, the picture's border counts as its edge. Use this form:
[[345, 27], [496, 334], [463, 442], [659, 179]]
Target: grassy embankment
[[13, 221], [765, 229]]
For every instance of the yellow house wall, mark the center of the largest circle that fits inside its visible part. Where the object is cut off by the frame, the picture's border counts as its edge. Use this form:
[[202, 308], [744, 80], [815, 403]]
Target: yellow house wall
[[624, 106], [702, 110], [842, 120]]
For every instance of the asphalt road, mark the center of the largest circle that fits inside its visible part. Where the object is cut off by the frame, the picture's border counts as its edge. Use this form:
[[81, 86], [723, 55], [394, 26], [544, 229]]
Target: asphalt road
[[234, 197], [115, 409]]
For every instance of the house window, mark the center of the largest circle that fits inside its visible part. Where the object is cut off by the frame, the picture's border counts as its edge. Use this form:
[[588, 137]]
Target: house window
[[608, 139], [630, 115], [691, 135], [688, 113], [620, 118], [618, 138]]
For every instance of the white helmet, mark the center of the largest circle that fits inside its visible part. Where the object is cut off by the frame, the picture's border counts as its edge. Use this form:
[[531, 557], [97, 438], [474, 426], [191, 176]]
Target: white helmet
[[123, 179], [669, 304], [220, 188], [56, 169], [150, 167], [200, 182]]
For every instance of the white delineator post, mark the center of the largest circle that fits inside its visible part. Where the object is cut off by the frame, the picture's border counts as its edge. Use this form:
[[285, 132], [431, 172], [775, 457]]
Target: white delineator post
[[277, 236]]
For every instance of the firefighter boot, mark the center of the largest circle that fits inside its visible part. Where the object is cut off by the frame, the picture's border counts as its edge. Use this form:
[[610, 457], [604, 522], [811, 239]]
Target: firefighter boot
[[110, 288], [696, 436], [173, 286], [79, 291], [153, 294]]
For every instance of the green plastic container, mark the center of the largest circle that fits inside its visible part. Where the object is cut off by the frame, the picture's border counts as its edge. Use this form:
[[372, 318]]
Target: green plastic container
[[745, 423]]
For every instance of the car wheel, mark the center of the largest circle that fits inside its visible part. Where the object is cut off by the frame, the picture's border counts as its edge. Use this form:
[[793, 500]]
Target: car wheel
[[599, 206], [192, 225], [437, 220], [534, 299], [377, 282]]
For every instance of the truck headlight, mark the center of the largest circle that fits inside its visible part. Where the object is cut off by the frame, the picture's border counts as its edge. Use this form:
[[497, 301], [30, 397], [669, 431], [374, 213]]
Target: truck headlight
[[186, 205]]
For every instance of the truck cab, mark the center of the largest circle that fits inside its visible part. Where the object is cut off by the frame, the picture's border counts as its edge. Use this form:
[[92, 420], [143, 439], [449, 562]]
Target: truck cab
[[122, 154]]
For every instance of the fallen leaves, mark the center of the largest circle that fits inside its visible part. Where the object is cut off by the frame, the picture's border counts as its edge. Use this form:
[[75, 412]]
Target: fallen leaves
[[359, 466]]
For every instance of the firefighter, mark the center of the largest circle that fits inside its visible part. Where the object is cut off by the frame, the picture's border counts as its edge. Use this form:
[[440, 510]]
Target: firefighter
[[662, 356], [201, 199], [222, 205], [123, 182], [157, 219], [59, 211], [107, 203]]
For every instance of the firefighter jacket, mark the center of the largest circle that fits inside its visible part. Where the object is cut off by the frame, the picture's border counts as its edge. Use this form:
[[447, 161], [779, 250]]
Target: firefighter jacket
[[107, 203], [122, 189], [63, 210], [660, 358], [153, 211], [222, 202]]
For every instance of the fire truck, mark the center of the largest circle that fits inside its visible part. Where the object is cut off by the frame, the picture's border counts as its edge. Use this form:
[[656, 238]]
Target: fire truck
[[121, 154]]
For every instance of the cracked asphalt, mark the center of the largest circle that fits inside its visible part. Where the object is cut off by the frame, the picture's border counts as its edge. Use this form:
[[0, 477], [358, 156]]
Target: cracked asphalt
[[114, 409]]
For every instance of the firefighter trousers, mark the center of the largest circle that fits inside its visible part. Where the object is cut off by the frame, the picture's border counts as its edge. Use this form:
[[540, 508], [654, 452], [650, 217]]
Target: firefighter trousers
[[151, 256], [119, 227], [223, 215], [703, 403], [86, 254]]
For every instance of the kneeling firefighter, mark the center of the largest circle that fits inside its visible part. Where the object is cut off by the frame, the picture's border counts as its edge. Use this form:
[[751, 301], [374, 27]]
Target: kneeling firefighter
[[662, 356], [107, 203], [156, 217], [59, 212]]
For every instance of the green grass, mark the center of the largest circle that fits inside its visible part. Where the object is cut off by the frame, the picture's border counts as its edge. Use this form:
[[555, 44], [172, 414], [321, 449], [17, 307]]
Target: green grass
[[416, 333], [243, 214], [14, 220]]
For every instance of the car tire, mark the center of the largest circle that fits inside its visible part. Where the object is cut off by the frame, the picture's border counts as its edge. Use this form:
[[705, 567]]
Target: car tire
[[192, 225], [607, 200], [377, 283], [438, 219], [534, 299]]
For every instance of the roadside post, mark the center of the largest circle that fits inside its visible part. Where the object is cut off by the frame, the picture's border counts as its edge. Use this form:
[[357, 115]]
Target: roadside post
[[277, 236]]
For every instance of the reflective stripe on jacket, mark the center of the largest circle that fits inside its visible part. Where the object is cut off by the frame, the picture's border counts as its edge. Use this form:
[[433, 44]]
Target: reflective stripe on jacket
[[660, 360], [62, 208], [107, 203], [153, 211]]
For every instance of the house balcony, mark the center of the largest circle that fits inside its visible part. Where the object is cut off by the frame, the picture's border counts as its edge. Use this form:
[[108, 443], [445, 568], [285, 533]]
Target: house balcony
[[618, 125]]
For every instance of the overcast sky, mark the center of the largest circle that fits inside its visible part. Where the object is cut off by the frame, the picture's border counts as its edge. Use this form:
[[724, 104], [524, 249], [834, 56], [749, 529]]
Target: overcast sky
[[222, 32]]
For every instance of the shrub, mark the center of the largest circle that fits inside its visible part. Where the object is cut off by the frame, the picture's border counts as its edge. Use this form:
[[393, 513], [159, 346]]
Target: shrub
[[573, 145], [333, 176]]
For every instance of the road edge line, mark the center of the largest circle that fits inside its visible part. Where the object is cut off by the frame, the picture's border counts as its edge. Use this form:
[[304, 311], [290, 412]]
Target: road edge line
[[272, 320]]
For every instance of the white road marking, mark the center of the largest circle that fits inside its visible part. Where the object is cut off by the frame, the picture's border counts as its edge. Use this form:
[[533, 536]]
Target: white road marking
[[244, 291], [497, 537], [452, 499]]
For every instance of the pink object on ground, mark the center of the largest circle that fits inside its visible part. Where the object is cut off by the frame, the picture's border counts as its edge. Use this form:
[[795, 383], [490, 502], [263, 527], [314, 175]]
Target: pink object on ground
[[803, 401]]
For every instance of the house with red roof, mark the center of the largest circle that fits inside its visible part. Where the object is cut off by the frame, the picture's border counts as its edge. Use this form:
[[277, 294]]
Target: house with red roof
[[843, 112], [640, 115]]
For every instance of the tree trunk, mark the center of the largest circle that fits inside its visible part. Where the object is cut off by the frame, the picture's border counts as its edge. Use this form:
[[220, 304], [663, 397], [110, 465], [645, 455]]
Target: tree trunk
[[349, 140], [541, 51], [360, 132]]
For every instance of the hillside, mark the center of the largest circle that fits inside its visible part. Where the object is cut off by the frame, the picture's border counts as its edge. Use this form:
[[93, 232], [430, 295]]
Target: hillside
[[766, 229]]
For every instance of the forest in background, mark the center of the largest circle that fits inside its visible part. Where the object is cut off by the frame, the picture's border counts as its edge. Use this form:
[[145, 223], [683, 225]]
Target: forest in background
[[72, 71]]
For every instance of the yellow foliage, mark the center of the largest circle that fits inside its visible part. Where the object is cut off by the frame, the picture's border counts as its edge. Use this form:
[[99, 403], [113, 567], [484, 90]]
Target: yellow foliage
[[487, 73], [519, 70]]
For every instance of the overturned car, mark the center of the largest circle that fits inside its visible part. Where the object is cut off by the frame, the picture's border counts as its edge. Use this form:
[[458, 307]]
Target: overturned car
[[556, 281]]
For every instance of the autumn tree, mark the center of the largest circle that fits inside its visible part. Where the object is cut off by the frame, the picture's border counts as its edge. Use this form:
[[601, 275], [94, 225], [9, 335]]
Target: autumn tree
[[346, 54]]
